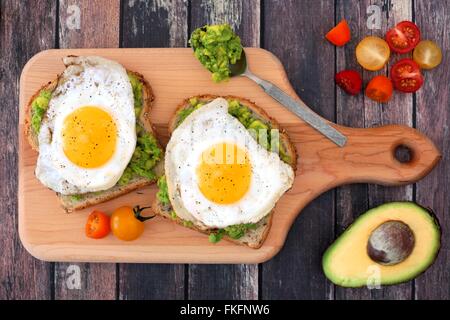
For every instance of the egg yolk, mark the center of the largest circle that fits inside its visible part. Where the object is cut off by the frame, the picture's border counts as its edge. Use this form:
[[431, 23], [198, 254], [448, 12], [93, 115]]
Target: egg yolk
[[224, 173], [89, 137]]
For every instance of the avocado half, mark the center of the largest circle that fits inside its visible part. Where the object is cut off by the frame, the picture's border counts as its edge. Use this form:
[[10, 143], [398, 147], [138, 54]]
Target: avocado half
[[389, 244]]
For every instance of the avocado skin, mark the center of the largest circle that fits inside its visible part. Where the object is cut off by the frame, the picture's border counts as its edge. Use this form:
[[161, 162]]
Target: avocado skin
[[357, 283]]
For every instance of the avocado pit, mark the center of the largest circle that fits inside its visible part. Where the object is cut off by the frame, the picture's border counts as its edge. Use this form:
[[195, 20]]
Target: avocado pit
[[390, 243]]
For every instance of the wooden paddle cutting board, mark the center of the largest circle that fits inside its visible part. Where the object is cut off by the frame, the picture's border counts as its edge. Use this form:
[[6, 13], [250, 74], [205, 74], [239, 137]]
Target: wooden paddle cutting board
[[48, 233]]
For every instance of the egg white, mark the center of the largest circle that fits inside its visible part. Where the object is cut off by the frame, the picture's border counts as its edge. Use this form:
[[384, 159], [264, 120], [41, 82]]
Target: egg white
[[207, 126], [87, 81]]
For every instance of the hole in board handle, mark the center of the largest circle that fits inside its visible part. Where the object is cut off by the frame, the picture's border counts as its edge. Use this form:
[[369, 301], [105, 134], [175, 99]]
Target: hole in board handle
[[404, 154]]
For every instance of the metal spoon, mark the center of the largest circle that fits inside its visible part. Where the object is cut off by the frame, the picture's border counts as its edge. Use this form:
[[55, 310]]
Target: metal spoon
[[240, 68]]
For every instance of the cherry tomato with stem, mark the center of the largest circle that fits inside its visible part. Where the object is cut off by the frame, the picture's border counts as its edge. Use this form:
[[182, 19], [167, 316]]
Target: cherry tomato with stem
[[127, 223]]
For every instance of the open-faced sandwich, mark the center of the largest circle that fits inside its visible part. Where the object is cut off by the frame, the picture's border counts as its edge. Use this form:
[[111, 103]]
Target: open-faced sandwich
[[226, 165], [90, 126]]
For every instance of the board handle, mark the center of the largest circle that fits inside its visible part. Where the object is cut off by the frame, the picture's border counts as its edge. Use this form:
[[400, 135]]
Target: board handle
[[370, 155]]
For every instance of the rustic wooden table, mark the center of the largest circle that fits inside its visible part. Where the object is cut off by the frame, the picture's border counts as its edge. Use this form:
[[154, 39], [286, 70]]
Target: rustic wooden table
[[293, 30]]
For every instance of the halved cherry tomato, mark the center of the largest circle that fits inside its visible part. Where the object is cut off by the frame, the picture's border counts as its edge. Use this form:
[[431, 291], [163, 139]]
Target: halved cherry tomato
[[406, 76], [127, 223], [350, 81], [379, 89], [340, 34], [97, 225], [372, 53], [427, 54], [403, 37]]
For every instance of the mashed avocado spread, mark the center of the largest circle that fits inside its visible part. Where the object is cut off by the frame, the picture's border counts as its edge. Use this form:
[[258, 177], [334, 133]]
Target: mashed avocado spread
[[136, 86], [145, 157], [235, 231], [163, 193], [246, 117], [216, 46], [38, 108], [147, 152]]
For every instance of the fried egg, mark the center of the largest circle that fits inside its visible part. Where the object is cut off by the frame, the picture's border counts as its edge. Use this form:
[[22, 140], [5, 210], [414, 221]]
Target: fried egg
[[88, 134], [217, 174]]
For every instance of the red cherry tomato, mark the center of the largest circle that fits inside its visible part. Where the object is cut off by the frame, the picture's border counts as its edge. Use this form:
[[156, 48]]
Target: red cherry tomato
[[97, 225], [340, 34], [350, 81], [406, 76], [403, 37]]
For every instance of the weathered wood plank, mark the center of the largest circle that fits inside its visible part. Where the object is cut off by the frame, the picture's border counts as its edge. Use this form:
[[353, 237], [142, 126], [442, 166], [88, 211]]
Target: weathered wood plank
[[153, 24], [433, 118], [85, 23], [24, 31], [226, 281], [398, 111], [242, 15], [90, 281], [363, 112], [151, 281], [160, 23], [223, 282], [89, 23], [293, 32]]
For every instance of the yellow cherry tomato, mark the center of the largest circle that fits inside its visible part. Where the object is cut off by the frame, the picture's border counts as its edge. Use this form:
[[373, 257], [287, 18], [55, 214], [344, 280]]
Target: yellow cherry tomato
[[427, 54], [127, 223], [372, 53]]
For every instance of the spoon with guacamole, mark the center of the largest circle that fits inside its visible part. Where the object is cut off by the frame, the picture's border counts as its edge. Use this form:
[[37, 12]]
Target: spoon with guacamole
[[220, 51]]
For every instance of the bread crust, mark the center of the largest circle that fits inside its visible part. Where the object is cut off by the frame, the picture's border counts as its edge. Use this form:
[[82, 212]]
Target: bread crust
[[253, 238], [68, 202], [257, 236]]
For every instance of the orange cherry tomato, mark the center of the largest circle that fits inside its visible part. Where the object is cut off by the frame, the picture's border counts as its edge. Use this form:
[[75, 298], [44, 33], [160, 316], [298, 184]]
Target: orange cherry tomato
[[127, 223], [380, 89], [97, 225], [340, 34]]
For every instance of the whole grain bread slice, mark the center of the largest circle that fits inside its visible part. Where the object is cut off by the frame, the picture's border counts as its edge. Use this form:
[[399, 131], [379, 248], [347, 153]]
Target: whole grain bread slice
[[77, 202], [255, 237]]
